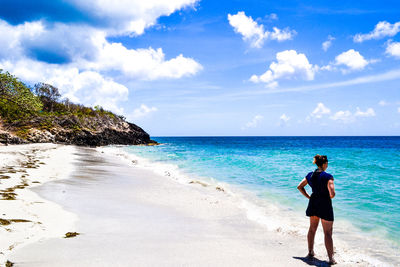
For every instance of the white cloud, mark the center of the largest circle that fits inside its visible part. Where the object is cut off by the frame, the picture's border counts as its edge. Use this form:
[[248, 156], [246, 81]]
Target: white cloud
[[343, 116], [393, 49], [327, 43], [398, 109], [254, 33], [320, 111], [381, 30], [368, 113], [290, 64], [143, 111], [283, 119], [124, 17], [145, 64], [383, 103], [352, 59], [254, 122], [348, 117]]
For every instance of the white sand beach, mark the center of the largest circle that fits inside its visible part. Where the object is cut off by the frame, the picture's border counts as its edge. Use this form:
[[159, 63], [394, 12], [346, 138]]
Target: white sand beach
[[25, 216], [130, 216]]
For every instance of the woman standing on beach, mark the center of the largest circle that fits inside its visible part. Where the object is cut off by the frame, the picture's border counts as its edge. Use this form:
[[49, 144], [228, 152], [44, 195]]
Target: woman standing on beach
[[320, 204]]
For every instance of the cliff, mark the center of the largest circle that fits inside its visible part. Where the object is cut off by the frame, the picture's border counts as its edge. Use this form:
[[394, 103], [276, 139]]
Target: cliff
[[39, 115], [97, 130]]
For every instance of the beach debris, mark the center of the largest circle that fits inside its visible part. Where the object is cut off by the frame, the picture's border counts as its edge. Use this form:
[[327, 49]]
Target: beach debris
[[9, 263], [9, 221], [35, 182], [198, 182], [8, 195], [71, 234], [167, 173], [4, 222], [4, 177], [220, 189], [134, 161], [19, 220]]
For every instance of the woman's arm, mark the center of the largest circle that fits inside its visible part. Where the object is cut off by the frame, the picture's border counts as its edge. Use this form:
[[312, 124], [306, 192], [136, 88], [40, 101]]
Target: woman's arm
[[331, 188], [301, 186]]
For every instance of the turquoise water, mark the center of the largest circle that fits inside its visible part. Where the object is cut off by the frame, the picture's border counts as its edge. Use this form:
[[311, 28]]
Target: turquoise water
[[366, 171]]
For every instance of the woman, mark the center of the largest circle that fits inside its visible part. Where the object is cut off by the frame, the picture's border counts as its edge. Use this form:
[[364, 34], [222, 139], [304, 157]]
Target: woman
[[320, 204]]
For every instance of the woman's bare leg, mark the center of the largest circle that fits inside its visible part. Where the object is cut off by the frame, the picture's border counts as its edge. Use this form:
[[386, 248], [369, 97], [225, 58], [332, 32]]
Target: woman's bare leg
[[327, 226], [314, 221]]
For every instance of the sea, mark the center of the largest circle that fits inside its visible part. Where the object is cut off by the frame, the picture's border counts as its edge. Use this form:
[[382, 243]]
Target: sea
[[265, 172]]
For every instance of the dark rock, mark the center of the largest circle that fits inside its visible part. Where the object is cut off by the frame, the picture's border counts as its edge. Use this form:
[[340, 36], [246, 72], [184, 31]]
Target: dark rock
[[71, 129]]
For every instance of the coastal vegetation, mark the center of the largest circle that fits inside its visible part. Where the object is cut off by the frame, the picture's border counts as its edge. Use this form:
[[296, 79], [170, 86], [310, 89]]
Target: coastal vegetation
[[38, 114], [19, 102]]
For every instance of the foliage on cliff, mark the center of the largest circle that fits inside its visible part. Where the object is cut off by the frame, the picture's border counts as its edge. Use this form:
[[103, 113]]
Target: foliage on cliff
[[18, 102], [16, 99]]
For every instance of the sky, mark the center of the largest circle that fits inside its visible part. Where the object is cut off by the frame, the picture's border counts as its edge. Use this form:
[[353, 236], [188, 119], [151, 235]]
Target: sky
[[216, 68]]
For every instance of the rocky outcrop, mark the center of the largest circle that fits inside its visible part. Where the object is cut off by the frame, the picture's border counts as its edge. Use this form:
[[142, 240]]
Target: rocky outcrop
[[8, 138], [96, 130]]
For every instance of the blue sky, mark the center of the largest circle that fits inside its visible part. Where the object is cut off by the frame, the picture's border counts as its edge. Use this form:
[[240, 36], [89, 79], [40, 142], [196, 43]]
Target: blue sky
[[187, 67]]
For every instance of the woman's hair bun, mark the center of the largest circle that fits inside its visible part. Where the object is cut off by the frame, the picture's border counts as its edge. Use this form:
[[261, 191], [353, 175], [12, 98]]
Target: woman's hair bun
[[320, 160]]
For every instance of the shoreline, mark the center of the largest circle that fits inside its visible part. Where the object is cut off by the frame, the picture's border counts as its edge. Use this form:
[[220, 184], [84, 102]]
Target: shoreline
[[192, 220]]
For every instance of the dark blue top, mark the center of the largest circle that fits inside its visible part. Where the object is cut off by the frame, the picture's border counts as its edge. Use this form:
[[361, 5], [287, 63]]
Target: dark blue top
[[319, 182], [320, 203]]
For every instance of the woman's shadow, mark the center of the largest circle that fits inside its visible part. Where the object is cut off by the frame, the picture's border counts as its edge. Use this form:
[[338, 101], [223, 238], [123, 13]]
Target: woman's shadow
[[313, 261]]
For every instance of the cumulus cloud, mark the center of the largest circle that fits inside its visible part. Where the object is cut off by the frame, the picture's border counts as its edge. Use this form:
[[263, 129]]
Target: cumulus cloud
[[254, 122], [348, 117], [146, 64], [343, 116], [116, 17], [289, 65], [143, 111], [320, 111], [381, 30], [327, 43], [352, 59], [254, 33], [283, 119], [398, 109], [130, 16], [368, 113], [393, 49]]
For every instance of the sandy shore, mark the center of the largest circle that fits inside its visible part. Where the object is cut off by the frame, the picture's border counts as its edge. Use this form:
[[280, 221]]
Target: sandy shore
[[25, 216], [129, 216]]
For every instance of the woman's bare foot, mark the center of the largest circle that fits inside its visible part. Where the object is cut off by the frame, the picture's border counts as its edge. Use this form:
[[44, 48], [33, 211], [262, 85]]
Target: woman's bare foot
[[332, 261], [310, 254]]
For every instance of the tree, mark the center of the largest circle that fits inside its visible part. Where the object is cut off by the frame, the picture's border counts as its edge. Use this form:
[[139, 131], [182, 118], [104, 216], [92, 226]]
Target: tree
[[16, 99], [48, 94]]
